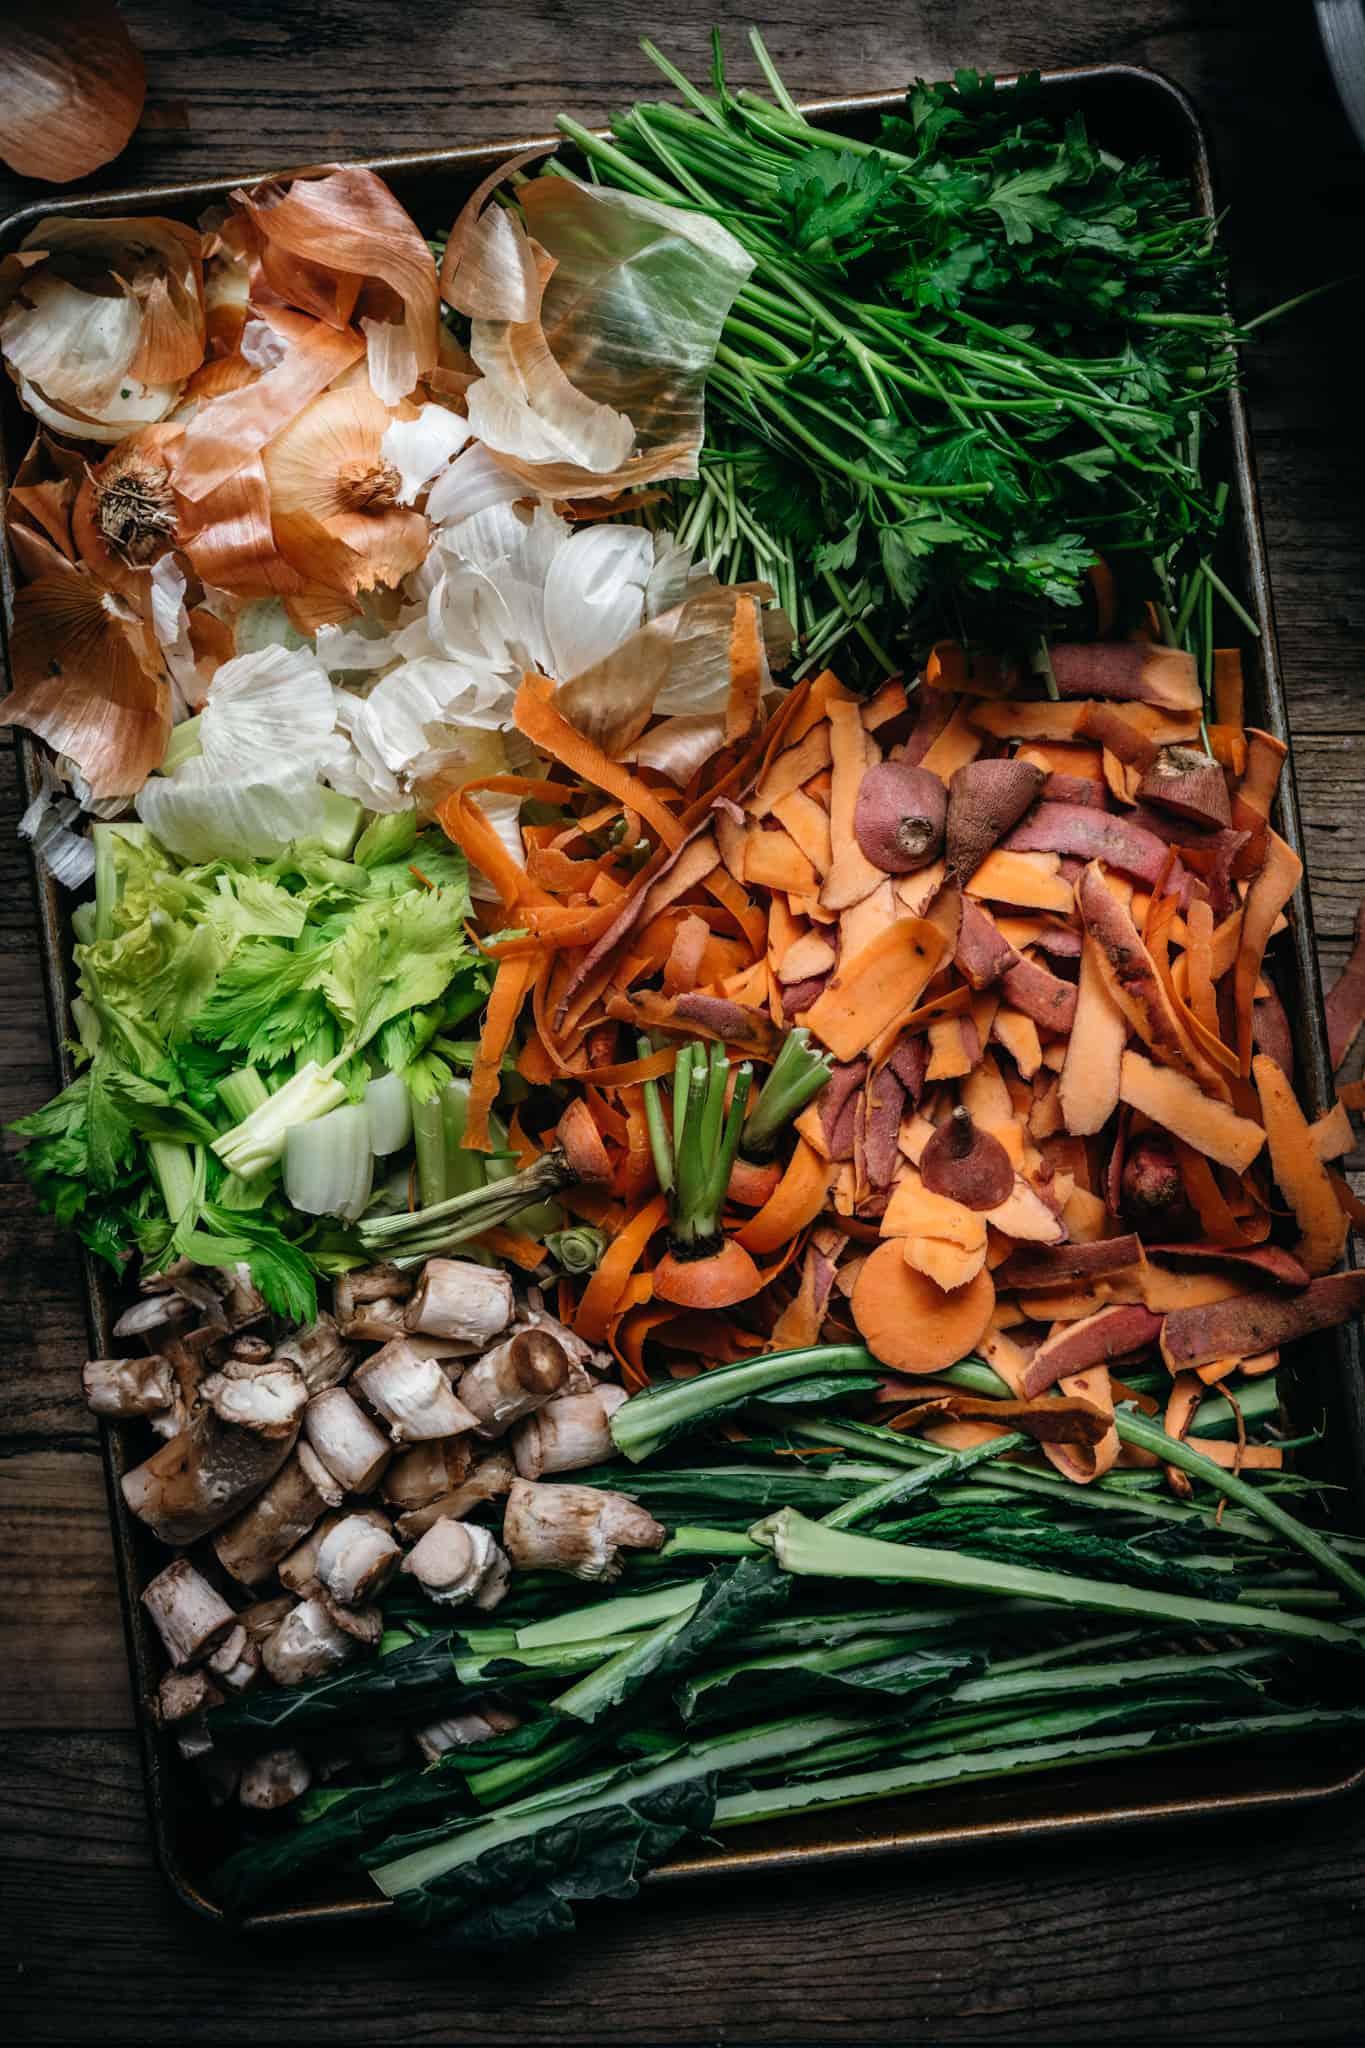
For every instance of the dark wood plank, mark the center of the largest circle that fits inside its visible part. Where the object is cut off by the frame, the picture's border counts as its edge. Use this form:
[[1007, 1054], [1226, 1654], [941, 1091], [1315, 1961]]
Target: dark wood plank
[[1225, 1936], [1232, 1934]]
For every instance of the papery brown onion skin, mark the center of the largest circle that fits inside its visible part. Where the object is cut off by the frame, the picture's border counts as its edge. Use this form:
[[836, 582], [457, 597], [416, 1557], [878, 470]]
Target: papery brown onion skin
[[72, 85]]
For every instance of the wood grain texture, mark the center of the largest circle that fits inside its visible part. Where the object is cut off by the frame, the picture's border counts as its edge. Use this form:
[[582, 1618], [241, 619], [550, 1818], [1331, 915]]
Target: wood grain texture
[[1235, 1937], [1232, 1935]]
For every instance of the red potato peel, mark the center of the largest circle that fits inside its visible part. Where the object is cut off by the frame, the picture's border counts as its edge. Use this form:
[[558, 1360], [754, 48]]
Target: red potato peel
[[1130, 671], [1087, 834]]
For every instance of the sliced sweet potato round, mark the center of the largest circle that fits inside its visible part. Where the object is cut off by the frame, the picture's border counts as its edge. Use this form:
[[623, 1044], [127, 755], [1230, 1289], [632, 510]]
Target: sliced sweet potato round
[[911, 1324]]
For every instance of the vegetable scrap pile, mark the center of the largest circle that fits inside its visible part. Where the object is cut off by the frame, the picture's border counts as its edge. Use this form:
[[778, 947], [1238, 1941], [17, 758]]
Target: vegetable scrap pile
[[1000, 955], [790, 1187]]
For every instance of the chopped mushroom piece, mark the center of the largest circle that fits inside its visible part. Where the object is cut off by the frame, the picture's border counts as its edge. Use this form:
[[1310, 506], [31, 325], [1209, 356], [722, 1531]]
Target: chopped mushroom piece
[[241, 1434], [307, 1644], [568, 1434], [356, 1560], [263, 1617], [412, 1394], [128, 1386], [252, 1544], [299, 1571], [428, 1470], [345, 1439], [382, 1282], [192, 1619], [244, 1302], [182, 1693], [156, 1312], [575, 1529], [460, 1731], [193, 1740], [318, 1353], [237, 1662], [254, 1350], [376, 1322], [513, 1379], [275, 1779], [490, 1477], [459, 1561], [456, 1298]]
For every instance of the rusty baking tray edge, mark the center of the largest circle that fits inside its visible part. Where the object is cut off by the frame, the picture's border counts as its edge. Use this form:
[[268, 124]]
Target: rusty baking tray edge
[[1122, 1813]]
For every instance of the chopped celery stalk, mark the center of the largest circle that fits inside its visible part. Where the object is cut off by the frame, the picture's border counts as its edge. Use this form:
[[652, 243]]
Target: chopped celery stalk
[[328, 1163], [464, 1171], [257, 1141], [389, 1110], [243, 1092], [429, 1140], [183, 744], [386, 838], [176, 1176], [407, 1240], [578, 1249], [342, 817]]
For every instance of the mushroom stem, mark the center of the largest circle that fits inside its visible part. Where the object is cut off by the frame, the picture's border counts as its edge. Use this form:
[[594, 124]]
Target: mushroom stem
[[344, 1438], [356, 1559], [191, 1618], [576, 1529], [128, 1386], [412, 1394], [458, 1300], [514, 1379], [568, 1434], [307, 1644], [459, 1561], [252, 1544], [242, 1431]]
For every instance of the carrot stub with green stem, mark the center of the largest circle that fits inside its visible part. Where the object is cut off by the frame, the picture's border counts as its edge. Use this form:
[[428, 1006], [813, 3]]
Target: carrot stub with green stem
[[702, 1268]]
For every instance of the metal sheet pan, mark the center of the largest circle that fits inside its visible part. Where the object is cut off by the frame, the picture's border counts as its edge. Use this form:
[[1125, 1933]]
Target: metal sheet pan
[[1133, 111]]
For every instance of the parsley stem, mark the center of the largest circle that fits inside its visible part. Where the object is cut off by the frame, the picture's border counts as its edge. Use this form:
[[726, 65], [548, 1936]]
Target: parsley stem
[[1233, 603], [864, 632], [1290, 305], [771, 73]]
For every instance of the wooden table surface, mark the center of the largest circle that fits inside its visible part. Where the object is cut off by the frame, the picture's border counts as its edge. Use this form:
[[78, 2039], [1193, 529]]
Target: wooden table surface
[[1229, 1934]]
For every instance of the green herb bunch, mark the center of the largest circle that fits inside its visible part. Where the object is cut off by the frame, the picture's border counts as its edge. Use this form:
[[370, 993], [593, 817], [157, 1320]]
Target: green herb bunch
[[975, 351]]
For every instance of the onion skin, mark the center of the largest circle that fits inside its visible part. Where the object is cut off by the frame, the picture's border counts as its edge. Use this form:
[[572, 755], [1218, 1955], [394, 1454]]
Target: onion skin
[[72, 85]]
